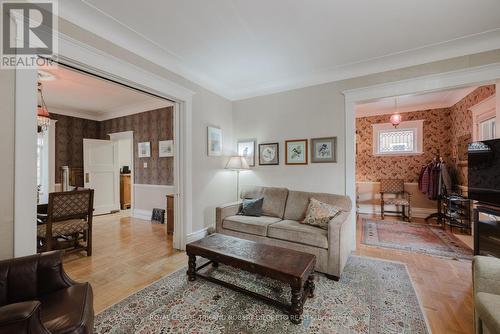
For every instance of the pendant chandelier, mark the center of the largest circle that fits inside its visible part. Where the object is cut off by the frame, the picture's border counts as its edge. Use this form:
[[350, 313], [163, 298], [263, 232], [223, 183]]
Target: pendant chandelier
[[396, 117], [42, 113]]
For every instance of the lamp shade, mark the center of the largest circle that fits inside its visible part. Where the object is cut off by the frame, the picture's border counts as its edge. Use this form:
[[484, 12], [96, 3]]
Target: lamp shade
[[395, 119], [237, 163]]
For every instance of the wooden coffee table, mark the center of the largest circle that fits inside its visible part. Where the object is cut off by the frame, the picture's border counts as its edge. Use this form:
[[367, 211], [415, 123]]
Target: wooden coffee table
[[288, 266]]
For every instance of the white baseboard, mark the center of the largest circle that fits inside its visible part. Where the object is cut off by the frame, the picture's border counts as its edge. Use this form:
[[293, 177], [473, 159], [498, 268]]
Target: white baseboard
[[197, 235], [142, 214], [375, 209]]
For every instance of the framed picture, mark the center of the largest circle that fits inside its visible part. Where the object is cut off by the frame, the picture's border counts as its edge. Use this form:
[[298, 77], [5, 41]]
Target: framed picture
[[269, 154], [166, 148], [144, 149], [324, 149], [296, 152], [246, 149], [214, 141]]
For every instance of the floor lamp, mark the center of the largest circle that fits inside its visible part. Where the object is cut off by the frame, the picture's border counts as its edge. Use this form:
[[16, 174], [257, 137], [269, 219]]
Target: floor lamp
[[237, 164]]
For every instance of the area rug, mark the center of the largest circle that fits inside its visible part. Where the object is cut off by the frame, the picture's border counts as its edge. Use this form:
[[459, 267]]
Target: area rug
[[415, 238], [372, 296]]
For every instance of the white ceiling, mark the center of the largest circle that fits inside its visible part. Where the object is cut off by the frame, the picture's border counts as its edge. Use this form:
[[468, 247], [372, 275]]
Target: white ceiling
[[243, 48], [77, 94], [415, 102]]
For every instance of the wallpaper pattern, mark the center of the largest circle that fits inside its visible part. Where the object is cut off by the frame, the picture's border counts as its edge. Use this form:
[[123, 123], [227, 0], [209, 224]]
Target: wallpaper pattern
[[443, 129], [70, 132], [461, 123], [436, 129], [152, 126]]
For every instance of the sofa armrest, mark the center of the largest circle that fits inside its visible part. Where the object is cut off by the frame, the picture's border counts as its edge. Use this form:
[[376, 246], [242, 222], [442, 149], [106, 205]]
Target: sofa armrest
[[21, 318], [486, 275], [340, 232], [223, 211]]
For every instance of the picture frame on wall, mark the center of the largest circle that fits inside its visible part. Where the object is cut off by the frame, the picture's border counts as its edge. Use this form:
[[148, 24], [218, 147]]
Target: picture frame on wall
[[214, 141], [246, 149], [166, 148], [269, 154], [324, 149], [144, 149], [296, 152]]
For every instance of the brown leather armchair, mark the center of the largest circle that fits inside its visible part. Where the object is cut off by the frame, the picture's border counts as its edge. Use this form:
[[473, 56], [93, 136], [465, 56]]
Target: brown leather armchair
[[36, 296]]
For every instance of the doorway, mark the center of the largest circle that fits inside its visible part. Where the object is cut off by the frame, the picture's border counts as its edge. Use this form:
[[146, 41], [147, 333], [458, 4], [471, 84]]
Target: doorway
[[411, 170], [478, 76]]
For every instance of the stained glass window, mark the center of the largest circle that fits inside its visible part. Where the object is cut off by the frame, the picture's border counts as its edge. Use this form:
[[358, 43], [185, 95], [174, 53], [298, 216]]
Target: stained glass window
[[396, 141]]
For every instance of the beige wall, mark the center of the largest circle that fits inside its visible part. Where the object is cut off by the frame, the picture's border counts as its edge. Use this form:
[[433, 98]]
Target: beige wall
[[313, 111], [319, 111], [7, 80], [211, 185]]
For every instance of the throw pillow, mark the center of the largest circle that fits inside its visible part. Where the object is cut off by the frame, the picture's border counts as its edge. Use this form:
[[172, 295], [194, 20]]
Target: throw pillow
[[319, 214], [252, 207]]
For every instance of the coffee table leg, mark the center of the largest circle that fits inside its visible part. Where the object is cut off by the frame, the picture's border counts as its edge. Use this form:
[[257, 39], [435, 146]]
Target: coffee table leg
[[296, 307], [310, 286], [191, 268]]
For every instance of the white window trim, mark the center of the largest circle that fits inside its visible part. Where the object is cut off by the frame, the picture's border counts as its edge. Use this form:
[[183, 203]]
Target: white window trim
[[410, 125], [481, 112]]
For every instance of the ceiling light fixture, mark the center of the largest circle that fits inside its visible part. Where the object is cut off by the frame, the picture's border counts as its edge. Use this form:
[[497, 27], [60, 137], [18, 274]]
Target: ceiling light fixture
[[396, 117], [42, 113]]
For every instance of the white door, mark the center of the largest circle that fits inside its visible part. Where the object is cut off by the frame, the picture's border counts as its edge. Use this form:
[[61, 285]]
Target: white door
[[101, 173]]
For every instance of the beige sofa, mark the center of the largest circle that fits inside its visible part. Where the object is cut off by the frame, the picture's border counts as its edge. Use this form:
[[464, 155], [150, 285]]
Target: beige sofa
[[279, 225], [486, 277]]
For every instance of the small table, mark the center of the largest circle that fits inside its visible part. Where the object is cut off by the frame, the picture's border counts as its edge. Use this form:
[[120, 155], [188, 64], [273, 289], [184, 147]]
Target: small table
[[288, 266]]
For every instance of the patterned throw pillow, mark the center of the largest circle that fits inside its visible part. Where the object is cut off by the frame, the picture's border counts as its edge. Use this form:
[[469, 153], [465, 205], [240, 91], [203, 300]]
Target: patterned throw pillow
[[319, 214]]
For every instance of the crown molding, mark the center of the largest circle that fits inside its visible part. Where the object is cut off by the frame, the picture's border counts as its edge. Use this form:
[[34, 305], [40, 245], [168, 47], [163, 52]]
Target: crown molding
[[135, 108], [450, 100], [73, 112], [103, 25], [99, 23], [127, 110]]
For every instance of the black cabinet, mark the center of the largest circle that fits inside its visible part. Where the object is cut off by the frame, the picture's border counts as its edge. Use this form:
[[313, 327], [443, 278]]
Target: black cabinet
[[487, 231]]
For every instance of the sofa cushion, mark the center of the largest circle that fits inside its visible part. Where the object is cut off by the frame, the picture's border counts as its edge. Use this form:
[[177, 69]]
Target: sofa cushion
[[298, 201], [274, 199], [291, 230], [248, 224], [251, 207], [488, 310]]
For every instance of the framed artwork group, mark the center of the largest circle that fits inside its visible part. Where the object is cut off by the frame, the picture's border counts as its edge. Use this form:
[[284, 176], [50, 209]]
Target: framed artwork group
[[297, 151], [165, 149]]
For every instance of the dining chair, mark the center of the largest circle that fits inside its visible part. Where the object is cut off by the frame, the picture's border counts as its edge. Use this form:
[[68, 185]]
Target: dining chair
[[69, 222]]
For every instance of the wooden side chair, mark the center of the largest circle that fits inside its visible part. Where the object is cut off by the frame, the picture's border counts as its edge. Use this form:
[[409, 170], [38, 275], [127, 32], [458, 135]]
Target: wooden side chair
[[402, 198], [69, 222]]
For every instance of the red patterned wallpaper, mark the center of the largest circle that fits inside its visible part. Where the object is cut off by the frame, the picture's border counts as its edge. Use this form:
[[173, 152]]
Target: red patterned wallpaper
[[436, 130], [442, 130], [461, 123]]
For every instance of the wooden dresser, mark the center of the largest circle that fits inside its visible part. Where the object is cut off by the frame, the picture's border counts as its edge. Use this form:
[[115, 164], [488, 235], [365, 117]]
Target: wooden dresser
[[125, 191], [170, 214]]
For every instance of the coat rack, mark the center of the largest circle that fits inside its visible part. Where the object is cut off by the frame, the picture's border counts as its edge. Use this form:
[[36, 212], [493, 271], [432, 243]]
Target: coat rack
[[439, 215]]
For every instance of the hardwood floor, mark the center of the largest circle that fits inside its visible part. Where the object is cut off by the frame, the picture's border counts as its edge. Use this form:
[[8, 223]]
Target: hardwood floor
[[130, 254], [443, 286]]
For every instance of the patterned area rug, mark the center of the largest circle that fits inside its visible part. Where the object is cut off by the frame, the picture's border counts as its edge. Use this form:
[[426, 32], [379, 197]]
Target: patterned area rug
[[415, 238], [373, 296]]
